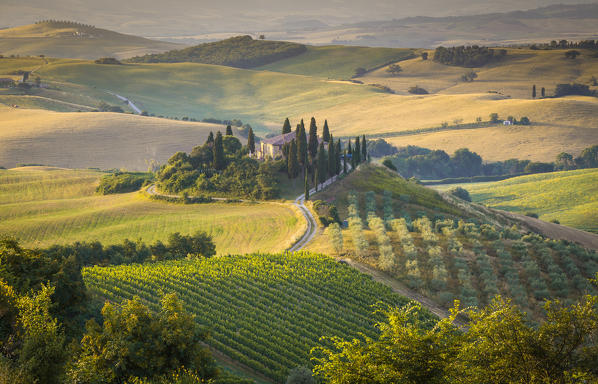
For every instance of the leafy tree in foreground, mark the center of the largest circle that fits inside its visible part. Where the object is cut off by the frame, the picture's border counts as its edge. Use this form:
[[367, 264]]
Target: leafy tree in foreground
[[134, 342]]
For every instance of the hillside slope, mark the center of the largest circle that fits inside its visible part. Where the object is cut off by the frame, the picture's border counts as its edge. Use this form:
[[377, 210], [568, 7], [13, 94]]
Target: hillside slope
[[73, 40], [93, 139]]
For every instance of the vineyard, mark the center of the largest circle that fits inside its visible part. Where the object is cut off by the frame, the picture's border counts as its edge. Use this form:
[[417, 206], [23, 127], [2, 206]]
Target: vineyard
[[448, 259], [265, 311]]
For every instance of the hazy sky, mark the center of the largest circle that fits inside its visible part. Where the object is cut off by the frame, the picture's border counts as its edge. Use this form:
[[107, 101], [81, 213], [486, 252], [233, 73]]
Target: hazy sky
[[187, 17]]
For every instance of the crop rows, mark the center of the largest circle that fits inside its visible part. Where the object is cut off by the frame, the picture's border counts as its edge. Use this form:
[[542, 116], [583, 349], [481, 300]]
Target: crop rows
[[266, 311]]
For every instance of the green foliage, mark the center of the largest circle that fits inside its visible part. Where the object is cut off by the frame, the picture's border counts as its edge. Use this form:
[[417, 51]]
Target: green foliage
[[134, 342], [286, 127], [380, 148], [275, 307], [473, 56], [469, 77], [562, 90], [498, 346], [107, 60], [105, 107], [122, 182], [394, 69], [389, 164], [239, 51], [300, 375], [336, 237], [327, 212], [461, 193]]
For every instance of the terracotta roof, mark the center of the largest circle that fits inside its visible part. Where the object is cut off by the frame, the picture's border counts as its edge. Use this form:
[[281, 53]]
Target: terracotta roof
[[280, 139]]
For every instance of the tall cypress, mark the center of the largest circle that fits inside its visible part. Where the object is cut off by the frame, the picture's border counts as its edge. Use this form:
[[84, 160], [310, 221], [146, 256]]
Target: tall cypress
[[357, 151], [534, 91], [337, 156], [286, 127], [219, 161], [229, 130], [345, 162], [301, 145], [313, 139], [326, 132], [251, 141], [364, 150], [306, 187], [331, 158], [210, 139], [543, 92], [292, 164], [322, 164]]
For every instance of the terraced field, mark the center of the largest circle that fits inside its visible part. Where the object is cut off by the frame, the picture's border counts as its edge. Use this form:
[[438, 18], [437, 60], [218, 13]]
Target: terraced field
[[266, 311], [44, 206]]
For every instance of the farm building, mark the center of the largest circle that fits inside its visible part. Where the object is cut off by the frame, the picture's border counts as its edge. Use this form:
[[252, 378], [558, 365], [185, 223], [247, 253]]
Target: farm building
[[271, 148]]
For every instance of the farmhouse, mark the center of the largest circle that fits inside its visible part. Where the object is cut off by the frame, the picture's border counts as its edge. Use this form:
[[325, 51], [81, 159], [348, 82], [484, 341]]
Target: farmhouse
[[271, 148]]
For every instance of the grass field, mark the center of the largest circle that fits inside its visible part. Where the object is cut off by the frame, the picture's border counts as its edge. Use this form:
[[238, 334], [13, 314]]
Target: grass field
[[44, 206], [75, 41], [93, 139], [570, 197], [266, 311], [337, 62]]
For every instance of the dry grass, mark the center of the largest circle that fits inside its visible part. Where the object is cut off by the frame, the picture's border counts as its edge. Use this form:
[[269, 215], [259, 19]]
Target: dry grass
[[93, 139], [44, 206]]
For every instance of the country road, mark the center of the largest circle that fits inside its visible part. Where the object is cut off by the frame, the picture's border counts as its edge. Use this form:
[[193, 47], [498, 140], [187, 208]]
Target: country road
[[129, 102]]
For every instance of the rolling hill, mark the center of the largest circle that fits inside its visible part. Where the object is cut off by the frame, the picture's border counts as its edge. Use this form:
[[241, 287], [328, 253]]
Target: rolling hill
[[43, 206], [571, 197], [93, 139], [74, 40]]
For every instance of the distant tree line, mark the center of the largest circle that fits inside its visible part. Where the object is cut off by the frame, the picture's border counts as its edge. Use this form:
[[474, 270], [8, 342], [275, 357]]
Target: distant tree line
[[565, 44], [468, 56], [423, 163], [239, 51], [64, 23]]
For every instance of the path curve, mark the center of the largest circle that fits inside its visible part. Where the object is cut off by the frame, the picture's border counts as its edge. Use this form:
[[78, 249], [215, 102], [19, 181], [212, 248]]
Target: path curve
[[129, 102]]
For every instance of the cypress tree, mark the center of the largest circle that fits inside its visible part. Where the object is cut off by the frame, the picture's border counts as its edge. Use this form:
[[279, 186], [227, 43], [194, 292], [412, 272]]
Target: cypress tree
[[229, 130], [534, 91], [306, 185], [331, 158], [316, 177], [337, 156], [345, 163], [364, 150], [286, 127], [219, 161], [357, 151], [292, 164], [313, 139], [210, 139], [543, 92], [326, 132], [251, 141], [301, 145], [322, 164]]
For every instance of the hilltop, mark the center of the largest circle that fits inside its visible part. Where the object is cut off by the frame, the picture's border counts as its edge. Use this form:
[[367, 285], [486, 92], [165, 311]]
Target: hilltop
[[75, 40]]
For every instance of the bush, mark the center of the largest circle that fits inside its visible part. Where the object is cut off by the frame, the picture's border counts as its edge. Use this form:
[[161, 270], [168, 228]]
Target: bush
[[417, 91], [461, 193], [122, 182], [388, 164], [300, 375], [108, 60], [531, 214]]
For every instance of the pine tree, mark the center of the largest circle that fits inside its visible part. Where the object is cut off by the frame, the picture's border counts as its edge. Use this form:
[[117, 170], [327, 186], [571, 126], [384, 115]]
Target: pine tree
[[251, 141], [229, 130], [292, 164], [534, 91], [331, 158], [313, 139], [364, 150], [357, 151], [326, 132], [286, 127], [337, 156], [219, 161], [322, 166]]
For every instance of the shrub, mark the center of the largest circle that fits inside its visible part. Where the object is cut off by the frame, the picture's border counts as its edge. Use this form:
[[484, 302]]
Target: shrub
[[300, 375], [388, 164], [417, 90], [461, 193], [122, 182], [531, 214], [108, 60]]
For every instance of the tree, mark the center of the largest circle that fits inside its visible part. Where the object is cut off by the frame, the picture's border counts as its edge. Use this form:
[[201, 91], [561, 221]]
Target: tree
[[313, 139], [337, 157], [210, 139], [388, 164], [262, 37], [534, 91], [229, 130], [525, 121], [357, 151], [251, 141], [461, 193], [292, 163], [301, 144], [543, 92], [331, 157], [305, 185], [416, 90], [589, 157], [326, 132], [286, 127], [322, 164], [494, 118], [134, 342], [364, 149], [394, 69], [564, 161], [572, 54], [345, 162], [469, 77], [466, 163], [424, 55], [219, 160]]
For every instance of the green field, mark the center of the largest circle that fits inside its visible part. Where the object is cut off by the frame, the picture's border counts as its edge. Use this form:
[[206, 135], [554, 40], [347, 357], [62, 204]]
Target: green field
[[571, 197], [266, 311], [44, 206], [337, 61]]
